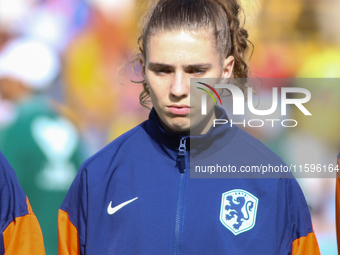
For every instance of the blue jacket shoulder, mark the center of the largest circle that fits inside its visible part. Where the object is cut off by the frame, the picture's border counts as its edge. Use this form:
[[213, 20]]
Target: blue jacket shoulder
[[255, 148]]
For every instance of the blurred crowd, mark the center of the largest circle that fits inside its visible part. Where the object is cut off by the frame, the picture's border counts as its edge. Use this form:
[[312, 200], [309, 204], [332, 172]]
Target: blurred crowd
[[66, 91]]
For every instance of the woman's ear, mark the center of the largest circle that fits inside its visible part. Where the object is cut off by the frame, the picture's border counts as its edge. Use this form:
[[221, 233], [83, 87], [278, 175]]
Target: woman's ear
[[228, 65], [142, 63]]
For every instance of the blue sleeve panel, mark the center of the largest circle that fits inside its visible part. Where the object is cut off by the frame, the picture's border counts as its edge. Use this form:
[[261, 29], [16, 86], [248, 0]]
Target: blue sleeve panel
[[2, 248], [13, 199]]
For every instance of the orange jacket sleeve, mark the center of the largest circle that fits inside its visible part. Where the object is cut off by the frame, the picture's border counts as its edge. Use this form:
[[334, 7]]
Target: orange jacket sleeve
[[72, 218], [23, 235], [68, 235], [306, 245]]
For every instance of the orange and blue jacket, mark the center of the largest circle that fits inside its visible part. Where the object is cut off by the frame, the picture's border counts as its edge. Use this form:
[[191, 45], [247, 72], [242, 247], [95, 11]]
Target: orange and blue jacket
[[138, 195], [20, 231]]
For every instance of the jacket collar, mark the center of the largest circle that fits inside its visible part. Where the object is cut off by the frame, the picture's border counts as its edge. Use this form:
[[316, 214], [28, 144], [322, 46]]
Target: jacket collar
[[203, 146]]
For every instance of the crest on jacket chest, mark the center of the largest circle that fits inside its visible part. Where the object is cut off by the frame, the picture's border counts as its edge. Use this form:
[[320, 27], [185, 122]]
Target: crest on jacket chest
[[238, 210]]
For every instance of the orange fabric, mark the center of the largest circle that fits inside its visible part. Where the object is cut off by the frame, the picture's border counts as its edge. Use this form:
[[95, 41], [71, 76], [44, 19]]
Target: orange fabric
[[24, 236], [306, 245], [29, 207], [337, 207], [68, 235]]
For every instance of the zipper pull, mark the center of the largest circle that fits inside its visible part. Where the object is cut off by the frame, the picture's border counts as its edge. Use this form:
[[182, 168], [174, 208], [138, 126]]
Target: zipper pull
[[182, 152]]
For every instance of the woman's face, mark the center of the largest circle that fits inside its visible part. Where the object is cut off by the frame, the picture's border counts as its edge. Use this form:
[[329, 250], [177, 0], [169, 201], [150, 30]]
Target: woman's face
[[172, 58]]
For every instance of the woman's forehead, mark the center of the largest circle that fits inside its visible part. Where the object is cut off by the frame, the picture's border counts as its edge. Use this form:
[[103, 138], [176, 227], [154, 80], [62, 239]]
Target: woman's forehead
[[181, 45], [204, 33]]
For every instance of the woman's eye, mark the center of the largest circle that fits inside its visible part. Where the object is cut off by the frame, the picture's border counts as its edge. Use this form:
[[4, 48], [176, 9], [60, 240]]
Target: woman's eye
[[199, 71], [161, 71]]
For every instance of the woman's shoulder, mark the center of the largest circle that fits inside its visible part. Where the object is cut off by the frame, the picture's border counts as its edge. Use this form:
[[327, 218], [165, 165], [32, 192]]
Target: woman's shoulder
[[249, 144]]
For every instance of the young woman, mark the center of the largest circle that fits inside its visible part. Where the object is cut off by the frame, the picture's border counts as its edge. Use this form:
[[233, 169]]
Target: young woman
[[136, 196], [20, 231], [337, 203]]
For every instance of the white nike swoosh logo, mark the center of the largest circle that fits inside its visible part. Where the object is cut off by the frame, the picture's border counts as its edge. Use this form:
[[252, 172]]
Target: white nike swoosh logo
[[111, 210]]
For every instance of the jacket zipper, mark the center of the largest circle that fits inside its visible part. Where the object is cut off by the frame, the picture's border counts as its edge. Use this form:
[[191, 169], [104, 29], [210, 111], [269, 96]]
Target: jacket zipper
[[182, 156]]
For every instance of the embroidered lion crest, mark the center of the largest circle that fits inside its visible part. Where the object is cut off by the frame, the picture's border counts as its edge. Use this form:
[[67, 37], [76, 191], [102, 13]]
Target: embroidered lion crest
[[238, 210]]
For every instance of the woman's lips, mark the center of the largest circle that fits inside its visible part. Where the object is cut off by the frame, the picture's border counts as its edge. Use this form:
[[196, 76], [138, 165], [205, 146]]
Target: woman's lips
[[179, 110]]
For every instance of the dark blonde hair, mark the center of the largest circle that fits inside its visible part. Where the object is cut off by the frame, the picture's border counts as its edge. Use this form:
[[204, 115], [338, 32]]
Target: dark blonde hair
[[222, 16]]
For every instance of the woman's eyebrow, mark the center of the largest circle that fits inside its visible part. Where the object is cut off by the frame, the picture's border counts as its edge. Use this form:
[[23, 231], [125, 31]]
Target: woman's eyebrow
[[159, 65], [197, 66], [192, 66]]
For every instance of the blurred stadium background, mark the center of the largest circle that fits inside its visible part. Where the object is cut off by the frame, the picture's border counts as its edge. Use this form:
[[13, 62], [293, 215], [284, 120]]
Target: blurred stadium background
[[94, 38]]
